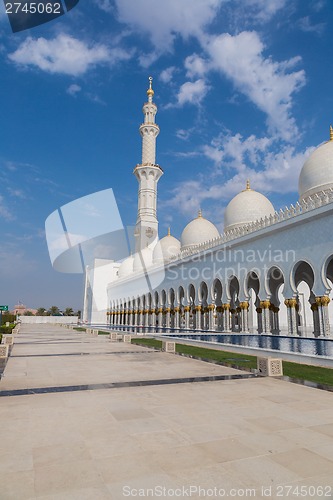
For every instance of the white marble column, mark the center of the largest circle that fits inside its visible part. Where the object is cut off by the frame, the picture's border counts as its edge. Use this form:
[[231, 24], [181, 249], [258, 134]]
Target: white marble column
[[160, 317], [264, 304], [177, 318], [197, 317], [227, 319], [211, 312], [187, 317], [245, 316], [167, 317]]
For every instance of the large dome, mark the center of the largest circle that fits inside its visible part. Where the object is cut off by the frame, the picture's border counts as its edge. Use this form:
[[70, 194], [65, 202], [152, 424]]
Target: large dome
[[126, 267], [317, 172], [198, 231], [143, 259], [246, 207], [166, 248]]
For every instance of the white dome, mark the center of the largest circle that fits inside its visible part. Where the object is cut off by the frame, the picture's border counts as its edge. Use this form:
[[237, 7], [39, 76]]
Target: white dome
[[143, 259], [317, 172], [198, 231], [126, 267], [246, 207], [166, 248]]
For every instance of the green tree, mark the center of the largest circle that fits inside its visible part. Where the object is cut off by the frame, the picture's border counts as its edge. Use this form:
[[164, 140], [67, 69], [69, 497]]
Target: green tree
[[68, 311], [41, 311], [28, 313], [54, 311]]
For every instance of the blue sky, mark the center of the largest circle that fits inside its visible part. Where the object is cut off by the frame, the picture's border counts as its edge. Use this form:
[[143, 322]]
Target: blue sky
[[244, 90]]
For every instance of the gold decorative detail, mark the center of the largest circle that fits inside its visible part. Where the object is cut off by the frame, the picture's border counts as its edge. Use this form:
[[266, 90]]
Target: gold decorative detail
[[167, 309], [199, 214], [325, 300], [169, 232], [264, 304], [187, 308], [177, 309], [211, 307], [248, 187], [150, 91], [292, 303], [197, 308], [226, 306], [331, 133]]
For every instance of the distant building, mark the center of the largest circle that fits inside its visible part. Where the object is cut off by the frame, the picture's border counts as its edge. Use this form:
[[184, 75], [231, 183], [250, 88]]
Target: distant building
[[21, 309]]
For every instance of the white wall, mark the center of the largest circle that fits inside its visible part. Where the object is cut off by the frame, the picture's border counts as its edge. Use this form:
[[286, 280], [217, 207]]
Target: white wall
[[32, 320]]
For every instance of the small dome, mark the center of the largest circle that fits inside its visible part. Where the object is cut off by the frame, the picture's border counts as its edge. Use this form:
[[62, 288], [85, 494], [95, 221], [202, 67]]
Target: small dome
[[198, 231], [142, 260], [126, 267], [317, 172], [166, 248], [246, 207]]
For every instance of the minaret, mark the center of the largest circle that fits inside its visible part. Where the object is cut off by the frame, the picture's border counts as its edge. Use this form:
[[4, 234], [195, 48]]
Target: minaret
[[148, 175]]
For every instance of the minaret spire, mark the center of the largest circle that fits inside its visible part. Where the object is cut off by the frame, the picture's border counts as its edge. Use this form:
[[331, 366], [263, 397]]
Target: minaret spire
[[331, 133], [148, 174]]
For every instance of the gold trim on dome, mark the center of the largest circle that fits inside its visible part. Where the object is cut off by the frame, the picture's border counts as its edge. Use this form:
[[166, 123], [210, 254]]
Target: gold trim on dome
[[331, 133], [169, 232], [199, 214]]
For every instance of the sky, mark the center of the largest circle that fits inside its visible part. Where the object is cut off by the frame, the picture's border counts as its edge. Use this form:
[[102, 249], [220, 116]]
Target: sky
[[243, 89]]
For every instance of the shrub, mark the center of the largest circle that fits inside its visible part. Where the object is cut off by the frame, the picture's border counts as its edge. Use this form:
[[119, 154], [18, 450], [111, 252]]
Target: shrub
[[6, 329]]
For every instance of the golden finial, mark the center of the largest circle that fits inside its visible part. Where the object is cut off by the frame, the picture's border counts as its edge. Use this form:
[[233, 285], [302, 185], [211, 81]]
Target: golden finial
[[248, 187], [199, 213], [331, 133], [169, 232], [150, 91]]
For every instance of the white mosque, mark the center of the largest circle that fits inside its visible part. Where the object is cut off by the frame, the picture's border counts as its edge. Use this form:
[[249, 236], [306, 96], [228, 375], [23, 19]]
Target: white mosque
[[269, 272]]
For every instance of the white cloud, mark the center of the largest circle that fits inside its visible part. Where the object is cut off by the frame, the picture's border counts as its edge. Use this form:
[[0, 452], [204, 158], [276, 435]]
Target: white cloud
[[105, 5], [270, 171], [167, 74], [63, 54], [268, 84], [17, 193], [236, 151], [192, 93], [73, 89], [262, 10], [163, 21], [305, 25], [196, 66], [183, 134], [4, 211]]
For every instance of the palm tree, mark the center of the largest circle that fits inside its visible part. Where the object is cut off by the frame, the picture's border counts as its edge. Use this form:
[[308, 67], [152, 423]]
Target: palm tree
[[68, 311], [54, 311], [40, 311]]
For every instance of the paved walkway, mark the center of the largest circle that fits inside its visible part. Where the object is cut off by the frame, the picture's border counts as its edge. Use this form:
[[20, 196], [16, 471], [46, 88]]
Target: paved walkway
[[90, 433]]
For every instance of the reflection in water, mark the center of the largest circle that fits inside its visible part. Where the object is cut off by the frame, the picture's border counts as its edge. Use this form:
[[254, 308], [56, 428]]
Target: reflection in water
[[302, 345]]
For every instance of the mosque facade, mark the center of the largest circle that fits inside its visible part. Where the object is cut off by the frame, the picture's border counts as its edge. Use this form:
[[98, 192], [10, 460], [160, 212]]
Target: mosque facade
[[269, 272]]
